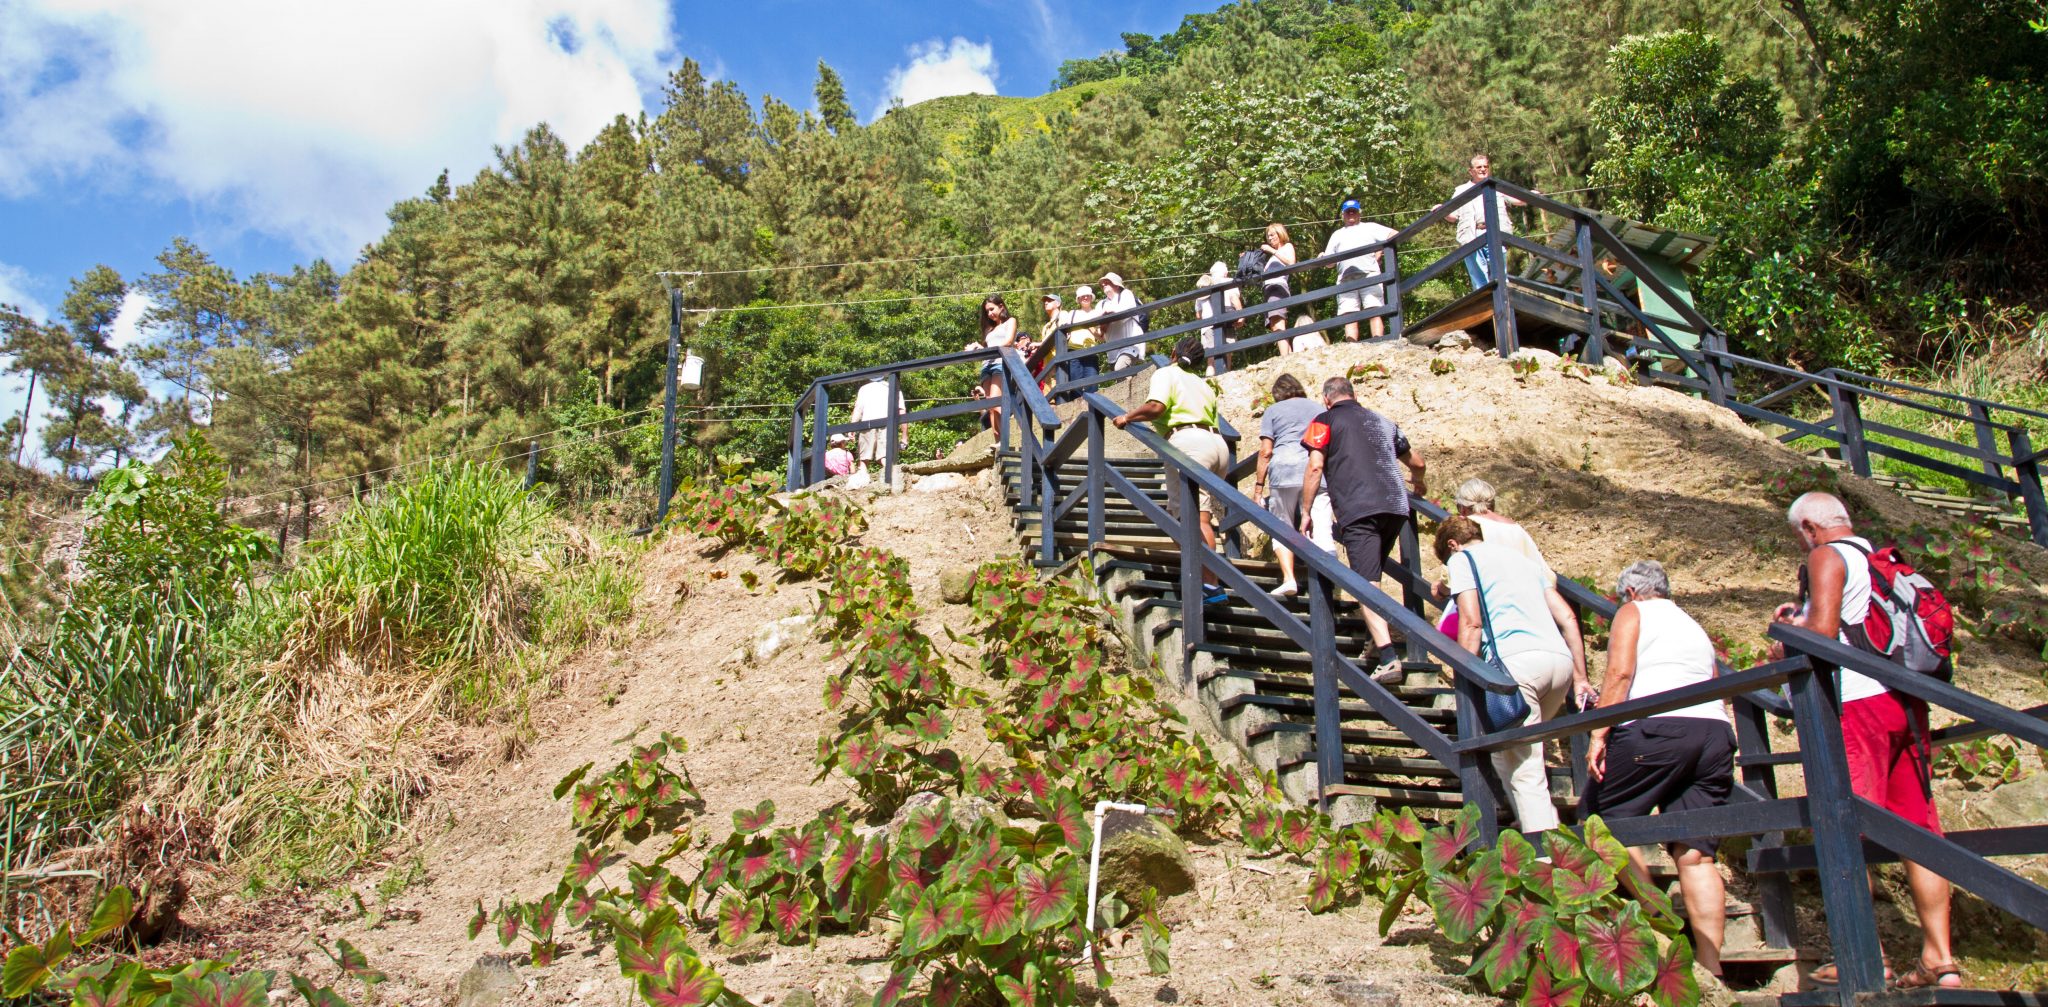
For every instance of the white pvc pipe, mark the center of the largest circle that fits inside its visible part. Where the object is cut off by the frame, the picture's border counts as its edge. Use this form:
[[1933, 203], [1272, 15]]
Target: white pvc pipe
[[1095, 860]]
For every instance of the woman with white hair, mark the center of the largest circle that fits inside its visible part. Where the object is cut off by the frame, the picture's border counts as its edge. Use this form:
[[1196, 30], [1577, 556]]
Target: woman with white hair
[[1475, 499], [1215, 337], [1678, 760]]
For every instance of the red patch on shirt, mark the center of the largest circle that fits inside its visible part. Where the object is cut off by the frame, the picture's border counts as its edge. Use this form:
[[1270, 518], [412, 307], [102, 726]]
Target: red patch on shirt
[[1318, 436]]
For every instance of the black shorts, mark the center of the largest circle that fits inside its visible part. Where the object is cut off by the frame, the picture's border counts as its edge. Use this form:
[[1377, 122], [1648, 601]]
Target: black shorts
[[1665, 764], [1368, 540]]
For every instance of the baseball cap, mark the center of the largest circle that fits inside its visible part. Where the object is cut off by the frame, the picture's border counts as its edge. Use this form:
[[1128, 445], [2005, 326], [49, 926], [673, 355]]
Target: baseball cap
[[1349, 205], [1050, 296]]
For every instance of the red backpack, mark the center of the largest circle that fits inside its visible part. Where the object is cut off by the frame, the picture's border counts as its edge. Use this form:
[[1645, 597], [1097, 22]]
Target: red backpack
[[1909, 620]]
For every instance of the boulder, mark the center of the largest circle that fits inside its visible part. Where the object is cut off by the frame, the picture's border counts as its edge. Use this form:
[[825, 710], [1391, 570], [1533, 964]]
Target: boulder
[[772, 638], [939, 483], [1543, 358], [1138, 852], [967, 810], [488, 982], [956, 584], [1456, 339], [2020, 801]]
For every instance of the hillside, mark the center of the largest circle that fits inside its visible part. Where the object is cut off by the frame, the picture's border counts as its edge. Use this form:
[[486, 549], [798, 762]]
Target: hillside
[[1600, 474], [954, 118]]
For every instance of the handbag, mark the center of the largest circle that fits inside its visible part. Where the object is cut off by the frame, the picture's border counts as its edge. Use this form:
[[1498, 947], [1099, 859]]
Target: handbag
[[1501, 710]]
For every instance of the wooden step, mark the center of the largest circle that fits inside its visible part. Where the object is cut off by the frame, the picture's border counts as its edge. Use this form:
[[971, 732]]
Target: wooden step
[[1351, 709]]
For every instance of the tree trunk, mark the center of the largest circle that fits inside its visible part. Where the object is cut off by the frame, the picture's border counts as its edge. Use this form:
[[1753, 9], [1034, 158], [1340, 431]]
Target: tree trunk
[[22, 445]]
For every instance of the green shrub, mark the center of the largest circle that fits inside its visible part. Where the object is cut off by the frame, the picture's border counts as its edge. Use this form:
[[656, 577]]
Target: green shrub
[[86, 705], [444, 599]]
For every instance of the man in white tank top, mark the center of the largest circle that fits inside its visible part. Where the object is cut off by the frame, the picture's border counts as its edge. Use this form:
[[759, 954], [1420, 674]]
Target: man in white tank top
[[1883, 733], [1674, 761]]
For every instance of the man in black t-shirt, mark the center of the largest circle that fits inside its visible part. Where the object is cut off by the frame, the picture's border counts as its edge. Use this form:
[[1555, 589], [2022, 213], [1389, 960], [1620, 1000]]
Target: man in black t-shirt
[[1359, 449]]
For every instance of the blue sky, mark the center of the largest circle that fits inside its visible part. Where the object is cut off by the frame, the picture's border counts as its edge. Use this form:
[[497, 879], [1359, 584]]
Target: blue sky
[[274, 131]]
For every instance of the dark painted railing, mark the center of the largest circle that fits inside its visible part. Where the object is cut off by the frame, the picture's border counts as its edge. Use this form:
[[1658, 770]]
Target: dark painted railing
[[1065, 468]]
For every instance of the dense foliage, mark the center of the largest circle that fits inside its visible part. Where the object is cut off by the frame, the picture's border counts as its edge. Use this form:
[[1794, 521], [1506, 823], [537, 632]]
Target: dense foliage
[[1872, 167]]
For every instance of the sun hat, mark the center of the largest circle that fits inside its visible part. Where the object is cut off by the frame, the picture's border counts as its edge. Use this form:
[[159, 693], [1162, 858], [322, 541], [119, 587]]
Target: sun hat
[[1112, 278], [1050, 296], [1349, 205], [1083, 290]]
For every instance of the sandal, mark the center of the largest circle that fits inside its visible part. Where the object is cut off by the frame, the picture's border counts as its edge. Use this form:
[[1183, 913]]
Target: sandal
[[1924, 976], [1827, 975]]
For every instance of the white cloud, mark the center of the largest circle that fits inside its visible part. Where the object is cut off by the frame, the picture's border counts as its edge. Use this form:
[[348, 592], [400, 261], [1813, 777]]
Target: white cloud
[[307, 119], [14, 290], [937, 69], [127, 329]]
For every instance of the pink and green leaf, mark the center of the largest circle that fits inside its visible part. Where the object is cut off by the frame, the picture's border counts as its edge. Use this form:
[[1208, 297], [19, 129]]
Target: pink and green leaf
[[1672, 983], [1507, 959], [1464, 904], [738, 919], [1547, 990], [1575, 892], [746, 822], [1620, 951], [1050, 897], [991, 909]]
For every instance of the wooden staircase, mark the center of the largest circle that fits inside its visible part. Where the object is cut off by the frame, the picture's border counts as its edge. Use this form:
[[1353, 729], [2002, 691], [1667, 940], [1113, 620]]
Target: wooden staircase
[[1254, 685]]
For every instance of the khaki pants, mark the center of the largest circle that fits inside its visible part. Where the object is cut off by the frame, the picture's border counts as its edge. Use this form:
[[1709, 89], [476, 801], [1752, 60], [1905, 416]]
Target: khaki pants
[[1545, 678], [1208, 450]]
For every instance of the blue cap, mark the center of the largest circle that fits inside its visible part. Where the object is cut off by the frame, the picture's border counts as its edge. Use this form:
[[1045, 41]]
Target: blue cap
[[1349, 205]]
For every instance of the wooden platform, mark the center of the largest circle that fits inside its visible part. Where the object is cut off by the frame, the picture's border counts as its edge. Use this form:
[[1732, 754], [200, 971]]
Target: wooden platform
[[1539, 317]]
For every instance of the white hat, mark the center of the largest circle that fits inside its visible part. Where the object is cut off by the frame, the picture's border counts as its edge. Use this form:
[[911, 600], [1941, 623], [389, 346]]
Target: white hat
[[1083, 290], [1112, 279], [839, 438]]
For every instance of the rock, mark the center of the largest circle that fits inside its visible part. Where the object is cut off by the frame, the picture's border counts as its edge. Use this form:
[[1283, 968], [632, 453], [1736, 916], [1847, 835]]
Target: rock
[[967, 811], [772, 638], [2020, 801], [1456, 339], [956, 584], [488, 982], [1543, 358], [873, 973], [839, 991], [1353, 993], [799, 998], [939, 483], [1138, 853]]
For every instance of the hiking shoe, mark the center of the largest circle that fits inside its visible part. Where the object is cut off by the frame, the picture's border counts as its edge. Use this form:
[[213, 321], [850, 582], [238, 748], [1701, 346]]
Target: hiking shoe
[[1216, 597], [1285, 590], [1389, 673]]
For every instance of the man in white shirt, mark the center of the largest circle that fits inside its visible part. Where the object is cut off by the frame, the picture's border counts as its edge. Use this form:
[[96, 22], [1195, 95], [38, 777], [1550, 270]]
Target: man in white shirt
[[1355, 234], [1884, 733], [1116, 297], [872, 403], [1471, 219]]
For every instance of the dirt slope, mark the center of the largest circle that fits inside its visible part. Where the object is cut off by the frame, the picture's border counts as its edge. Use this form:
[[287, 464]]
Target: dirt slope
[[1241, 935]]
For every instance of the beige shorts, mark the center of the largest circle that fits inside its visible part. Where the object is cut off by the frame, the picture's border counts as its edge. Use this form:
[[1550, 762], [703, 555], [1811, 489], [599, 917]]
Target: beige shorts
[[1208, 450]]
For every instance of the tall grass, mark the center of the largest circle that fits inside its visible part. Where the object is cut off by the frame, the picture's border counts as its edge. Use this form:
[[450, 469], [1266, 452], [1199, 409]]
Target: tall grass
[[433, 607], [100, 693]]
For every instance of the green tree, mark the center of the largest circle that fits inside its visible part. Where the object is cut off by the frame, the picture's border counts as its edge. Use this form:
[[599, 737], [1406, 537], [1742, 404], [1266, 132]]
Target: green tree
[[1677, 123], [830, 93], [32, 349]]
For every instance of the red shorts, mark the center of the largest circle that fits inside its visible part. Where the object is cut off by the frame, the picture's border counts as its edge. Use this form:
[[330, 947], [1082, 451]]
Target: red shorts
[[1883, 736]]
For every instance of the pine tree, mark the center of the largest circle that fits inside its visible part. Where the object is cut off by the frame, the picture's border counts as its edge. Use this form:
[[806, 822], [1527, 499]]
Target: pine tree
[[831, 95]]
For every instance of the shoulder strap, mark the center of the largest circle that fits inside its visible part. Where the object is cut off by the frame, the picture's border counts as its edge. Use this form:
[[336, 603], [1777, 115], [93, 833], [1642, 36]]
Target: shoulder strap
[[1485, 621]]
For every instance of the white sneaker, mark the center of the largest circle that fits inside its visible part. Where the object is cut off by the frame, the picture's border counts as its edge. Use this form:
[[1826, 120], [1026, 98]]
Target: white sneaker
[[1390, 673], [1285, 590]]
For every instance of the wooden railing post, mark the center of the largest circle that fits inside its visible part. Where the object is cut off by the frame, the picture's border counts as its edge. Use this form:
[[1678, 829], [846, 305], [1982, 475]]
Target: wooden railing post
[[1193, 551], [1504, 339], [793, 475], [2026, 470], [1007, 414], [1048, 499], [1849, 428], [1329, 732], [1095, 478], [820, 433], [1837, 835], [1595, 352], [1411, 558], [1391, 263], [895, 431], [1774, 891], [1475, 781], [1987, 441]]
